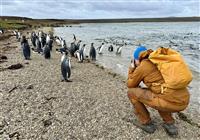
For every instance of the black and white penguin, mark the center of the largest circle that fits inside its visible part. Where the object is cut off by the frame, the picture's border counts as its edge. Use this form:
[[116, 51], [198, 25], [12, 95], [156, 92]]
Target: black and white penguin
[[63, 43], [100, 49], [18, 36], [48, 38], [78, 55], [25, 48], [58, 40], [72, 49], [74, 37], [77, 46], [92, 52], [83, 51], [47, 52], [65, 67], [50, 44], [110, 48], [119, 50], [38, 45], [1, 31], [43, 40], [33, 39]]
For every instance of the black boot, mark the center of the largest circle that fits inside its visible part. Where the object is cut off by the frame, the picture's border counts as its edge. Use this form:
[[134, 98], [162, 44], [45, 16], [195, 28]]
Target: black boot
[[171, 129], [149, 128]]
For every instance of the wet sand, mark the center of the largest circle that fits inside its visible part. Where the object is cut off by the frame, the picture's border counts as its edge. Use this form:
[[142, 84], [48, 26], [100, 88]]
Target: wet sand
[[93, 106]]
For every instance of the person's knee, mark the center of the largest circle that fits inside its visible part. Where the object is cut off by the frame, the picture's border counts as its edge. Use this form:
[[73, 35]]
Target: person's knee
[[131, 94]]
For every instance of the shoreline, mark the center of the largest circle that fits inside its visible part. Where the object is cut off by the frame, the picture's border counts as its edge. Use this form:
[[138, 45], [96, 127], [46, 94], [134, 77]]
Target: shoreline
[[93, 106]]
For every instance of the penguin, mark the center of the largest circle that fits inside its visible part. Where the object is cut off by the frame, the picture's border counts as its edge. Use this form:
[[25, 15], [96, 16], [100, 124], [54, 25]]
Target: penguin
[[25, 48], [1, 31], [47, 52], [50, 44], [33, 39], [100, 48], [83, 51], [110, 48], [47, 38], [65, 67], [74, 37], [92, 52], [38, 45], [77, 46], [58, 41], [40, 33], [63, 44], [43, 41], [18, 36], [72, 49], [78, 55], [119, 50]]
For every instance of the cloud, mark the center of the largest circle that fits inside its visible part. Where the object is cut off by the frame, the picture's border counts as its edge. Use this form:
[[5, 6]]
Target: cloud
[[76, 9]]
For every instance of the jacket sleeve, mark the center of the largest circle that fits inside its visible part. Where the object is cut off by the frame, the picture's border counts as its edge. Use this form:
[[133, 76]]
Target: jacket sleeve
[[135, 76]]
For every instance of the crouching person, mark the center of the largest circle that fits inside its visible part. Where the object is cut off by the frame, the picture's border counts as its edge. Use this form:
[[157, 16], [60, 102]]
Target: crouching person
[[165, 102]]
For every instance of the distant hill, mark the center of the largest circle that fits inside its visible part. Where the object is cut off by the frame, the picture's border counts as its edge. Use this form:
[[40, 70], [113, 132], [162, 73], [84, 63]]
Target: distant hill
[[166, 19], [12, 22]]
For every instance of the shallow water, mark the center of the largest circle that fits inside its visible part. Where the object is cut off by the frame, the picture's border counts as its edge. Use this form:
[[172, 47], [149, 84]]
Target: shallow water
[[181, 36]]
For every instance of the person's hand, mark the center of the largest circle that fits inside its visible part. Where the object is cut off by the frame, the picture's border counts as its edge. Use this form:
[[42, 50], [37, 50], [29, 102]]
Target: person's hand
[[132, 66], [132, 63]]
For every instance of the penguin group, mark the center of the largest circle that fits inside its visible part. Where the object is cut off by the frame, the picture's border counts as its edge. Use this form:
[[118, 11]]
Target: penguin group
[[119, 47], [42, 43]]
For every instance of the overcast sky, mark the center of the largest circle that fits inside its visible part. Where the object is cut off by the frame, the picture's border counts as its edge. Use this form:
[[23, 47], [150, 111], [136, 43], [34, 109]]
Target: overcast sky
[[94, 9]]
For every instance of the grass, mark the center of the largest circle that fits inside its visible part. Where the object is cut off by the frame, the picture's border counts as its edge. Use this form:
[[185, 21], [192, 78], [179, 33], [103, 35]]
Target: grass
[[29, 23], [12, 24]]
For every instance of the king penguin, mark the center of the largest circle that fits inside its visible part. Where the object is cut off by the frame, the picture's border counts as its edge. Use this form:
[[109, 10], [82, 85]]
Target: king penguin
[[25, 48], [47, 52], [92, 52], [65, 67]]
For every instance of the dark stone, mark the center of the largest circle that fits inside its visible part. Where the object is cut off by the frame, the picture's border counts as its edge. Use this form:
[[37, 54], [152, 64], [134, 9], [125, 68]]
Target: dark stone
[[26, 63], [47, 123], [15, 66], [3, 57], [30, 87]]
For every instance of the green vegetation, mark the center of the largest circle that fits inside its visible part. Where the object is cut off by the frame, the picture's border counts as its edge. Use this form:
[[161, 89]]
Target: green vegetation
[[12, 24], [24, 23]]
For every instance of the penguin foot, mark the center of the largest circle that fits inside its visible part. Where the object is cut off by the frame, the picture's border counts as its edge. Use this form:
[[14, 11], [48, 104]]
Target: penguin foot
[[63, 80], [68, 81]]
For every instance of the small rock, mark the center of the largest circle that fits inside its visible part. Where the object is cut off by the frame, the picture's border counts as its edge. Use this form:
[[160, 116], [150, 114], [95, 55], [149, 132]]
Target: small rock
[[47, 123], [15, 134], [30, 87], [15, 66], [26, 63], [3, 57]]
